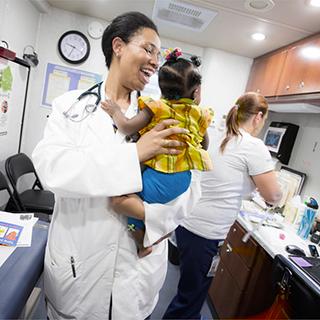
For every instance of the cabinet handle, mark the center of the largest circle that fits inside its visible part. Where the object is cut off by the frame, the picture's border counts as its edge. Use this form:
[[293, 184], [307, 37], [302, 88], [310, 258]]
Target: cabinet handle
[[287, 87], [258, 91], [229, 248], [234, 230], [221, 270], [301, 84]]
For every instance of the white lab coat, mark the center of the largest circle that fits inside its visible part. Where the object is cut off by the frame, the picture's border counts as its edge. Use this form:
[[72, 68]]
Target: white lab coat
[[84, 164]]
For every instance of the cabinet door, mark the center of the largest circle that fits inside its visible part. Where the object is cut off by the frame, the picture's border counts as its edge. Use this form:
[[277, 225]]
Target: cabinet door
[[265, 74], [235, 265], [224, 293], [301, 73], [246, 250]]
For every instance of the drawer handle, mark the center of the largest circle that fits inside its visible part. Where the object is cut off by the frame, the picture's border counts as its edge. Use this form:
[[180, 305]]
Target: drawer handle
[[258, 91], [234, 230], [229, 248], [287, 87], [301, 84]]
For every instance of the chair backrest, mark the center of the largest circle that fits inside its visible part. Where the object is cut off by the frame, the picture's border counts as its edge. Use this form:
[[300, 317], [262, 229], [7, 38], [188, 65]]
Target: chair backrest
[[19, 165], [5, 186]]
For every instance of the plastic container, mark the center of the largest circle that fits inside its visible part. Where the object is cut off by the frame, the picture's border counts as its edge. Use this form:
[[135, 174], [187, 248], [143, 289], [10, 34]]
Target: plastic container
[[308, 218], [292, 210]]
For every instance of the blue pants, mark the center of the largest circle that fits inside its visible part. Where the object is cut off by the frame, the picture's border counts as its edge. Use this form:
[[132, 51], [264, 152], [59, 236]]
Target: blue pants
[[196, 255], [159, 187]]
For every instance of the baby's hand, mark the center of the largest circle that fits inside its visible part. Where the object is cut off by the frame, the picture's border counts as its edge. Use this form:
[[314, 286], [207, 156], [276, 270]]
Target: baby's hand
[[110, 107]]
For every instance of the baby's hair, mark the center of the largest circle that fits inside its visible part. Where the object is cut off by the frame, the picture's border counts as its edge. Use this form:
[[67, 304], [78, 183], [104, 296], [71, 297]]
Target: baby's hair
[[179, 77]]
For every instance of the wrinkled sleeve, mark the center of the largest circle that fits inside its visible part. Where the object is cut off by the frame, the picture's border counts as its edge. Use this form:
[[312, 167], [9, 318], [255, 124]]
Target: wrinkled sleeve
[[259, 159], [161, 219], [71, 166]]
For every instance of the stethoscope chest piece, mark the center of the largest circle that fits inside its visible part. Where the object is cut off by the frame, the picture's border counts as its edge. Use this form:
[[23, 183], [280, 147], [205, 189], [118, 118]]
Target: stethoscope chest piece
[[88, 109]]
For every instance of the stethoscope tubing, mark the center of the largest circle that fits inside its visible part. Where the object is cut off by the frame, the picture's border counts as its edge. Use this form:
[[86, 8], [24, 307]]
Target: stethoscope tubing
[[89, 109]]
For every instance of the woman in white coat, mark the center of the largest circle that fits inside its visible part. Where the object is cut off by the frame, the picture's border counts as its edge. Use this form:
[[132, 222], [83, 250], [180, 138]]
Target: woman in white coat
[[92, 270]]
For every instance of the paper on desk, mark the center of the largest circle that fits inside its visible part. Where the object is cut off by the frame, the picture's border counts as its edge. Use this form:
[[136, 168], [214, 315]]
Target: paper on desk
[[26, 220], [5, 252]]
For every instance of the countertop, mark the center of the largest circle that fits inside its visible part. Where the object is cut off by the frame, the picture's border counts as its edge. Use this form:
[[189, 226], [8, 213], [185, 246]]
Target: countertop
[[274, 241]]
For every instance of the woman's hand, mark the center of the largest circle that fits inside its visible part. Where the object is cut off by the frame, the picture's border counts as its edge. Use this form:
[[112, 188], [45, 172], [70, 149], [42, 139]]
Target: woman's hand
[[154, 142], [110, 107]]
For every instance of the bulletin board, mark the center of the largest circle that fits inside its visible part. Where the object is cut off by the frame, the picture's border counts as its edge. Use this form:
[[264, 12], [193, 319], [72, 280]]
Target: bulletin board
[[61, 79]]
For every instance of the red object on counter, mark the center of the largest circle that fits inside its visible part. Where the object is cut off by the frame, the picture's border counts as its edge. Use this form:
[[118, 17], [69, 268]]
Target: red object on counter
[[282, 236], [6, 53]]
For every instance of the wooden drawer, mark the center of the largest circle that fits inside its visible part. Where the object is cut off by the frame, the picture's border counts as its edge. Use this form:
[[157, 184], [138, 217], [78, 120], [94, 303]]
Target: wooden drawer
[[235, 265], [224, 293], [247, 251]]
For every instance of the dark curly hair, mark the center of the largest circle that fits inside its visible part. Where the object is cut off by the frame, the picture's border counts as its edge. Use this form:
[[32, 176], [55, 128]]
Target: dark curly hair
[[179, 77], [124, 26]]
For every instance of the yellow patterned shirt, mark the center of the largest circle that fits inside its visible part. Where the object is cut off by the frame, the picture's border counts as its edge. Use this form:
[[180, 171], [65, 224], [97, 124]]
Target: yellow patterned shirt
[[192, 117]]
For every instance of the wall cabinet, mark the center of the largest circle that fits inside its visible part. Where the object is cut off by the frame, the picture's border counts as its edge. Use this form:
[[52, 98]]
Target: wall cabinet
[[265, 74], [289, 71], [301, 71], [242, 284]]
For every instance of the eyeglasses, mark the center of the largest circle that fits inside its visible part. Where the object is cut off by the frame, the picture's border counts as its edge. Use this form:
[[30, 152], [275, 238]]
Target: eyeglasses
[[152, 51]]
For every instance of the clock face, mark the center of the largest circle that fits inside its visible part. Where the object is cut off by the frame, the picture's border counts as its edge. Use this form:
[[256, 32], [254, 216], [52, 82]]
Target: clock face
[[74, 47]]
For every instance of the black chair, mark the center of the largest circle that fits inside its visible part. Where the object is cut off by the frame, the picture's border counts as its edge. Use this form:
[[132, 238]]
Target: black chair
[[35, 199], [12, 204]]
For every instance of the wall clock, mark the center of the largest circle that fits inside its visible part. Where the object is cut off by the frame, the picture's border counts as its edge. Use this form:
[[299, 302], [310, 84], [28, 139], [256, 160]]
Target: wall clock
[[95, 30], [74, 47]]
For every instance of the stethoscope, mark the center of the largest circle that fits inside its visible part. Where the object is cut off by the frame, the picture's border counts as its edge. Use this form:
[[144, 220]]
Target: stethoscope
[[89, 108]]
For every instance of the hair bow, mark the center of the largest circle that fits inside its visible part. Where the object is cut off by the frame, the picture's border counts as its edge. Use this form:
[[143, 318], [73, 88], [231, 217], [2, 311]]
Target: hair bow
[[172, 54]]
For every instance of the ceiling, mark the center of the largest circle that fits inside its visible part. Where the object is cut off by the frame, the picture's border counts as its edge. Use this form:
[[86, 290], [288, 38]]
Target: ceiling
[[230, 30]]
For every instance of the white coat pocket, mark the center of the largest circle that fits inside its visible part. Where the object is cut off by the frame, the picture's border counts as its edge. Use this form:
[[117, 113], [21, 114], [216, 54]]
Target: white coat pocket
[[62, 278]]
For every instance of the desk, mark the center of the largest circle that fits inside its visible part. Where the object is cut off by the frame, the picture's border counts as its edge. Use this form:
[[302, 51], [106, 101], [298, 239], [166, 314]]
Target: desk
[[20, 273]]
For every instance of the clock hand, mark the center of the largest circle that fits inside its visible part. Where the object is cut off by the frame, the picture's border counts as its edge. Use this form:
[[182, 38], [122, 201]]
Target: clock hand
[[70, 45], [71, 51]]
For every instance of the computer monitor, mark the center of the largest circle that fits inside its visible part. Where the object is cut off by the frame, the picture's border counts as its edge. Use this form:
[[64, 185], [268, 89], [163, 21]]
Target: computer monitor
[[279, 139], [273, 138]]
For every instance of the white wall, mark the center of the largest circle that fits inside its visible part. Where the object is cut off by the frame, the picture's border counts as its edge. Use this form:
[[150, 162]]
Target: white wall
[[18, 35], [225, 76], [18, 24], [52, 25], [305, 155]]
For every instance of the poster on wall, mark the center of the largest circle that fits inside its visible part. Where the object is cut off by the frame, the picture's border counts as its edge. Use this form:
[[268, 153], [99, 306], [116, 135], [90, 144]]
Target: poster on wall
[[60, 79], [152, 88], [6, 79]]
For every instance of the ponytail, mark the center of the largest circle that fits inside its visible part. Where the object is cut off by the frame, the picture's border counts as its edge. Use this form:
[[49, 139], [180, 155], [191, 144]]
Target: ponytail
[[246, 106], [232, 126]]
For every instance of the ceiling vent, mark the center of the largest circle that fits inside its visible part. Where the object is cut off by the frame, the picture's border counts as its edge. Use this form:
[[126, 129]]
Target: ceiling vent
[[183, 15]]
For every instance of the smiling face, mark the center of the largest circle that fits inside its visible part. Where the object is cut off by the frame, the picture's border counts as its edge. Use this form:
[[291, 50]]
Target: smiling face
[[138, 59]]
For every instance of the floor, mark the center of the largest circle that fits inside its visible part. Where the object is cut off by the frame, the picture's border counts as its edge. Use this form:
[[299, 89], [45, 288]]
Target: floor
[[166, 294]]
